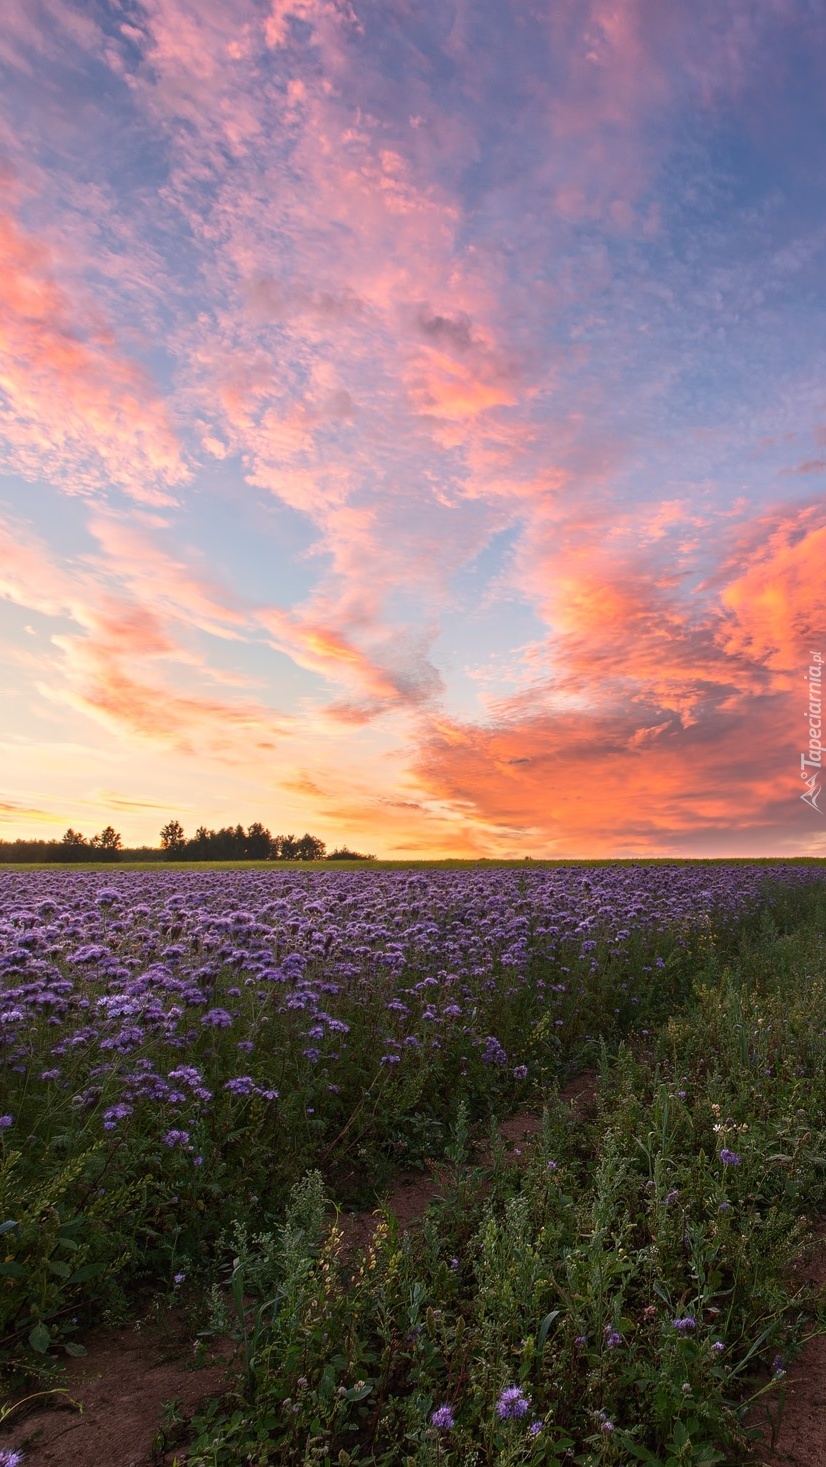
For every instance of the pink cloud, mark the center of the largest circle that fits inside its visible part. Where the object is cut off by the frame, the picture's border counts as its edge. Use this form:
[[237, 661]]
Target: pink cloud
[[72, 407]]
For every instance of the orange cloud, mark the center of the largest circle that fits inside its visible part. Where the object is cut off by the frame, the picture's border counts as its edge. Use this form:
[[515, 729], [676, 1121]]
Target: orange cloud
[[776, 608]]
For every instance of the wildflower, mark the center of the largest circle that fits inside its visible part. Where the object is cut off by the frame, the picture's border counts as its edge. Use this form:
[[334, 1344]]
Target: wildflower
[[581, 1340], [604, 1423], [729, 1158], [176, 1138], [778, 1367], [5, 1122], [242, 1085], [520, 1072], [612, 1337], [442, 1418], [9, 1457], [535, 1427], [552, 1166], [389, 1059], [512, 1403], [672, 1196], [217, 1019], [178, 1279], [718, 1347], [685, 1325]]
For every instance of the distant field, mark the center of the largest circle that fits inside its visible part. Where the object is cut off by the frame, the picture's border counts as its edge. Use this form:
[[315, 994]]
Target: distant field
[[451, 863], [202, 1062]]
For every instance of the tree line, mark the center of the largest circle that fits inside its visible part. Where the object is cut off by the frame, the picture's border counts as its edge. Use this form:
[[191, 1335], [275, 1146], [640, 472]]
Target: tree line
[[231, 843]]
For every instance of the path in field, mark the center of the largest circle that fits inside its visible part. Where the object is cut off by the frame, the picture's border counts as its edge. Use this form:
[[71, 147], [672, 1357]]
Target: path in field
[[122, 1384], [801, 1440]]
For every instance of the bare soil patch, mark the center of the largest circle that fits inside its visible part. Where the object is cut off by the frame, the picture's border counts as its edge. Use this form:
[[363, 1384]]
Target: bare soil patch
[[122, 1384], [801, 1439]]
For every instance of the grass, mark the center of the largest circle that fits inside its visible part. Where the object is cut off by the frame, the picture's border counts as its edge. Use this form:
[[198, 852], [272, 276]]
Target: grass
[[621, 1292]]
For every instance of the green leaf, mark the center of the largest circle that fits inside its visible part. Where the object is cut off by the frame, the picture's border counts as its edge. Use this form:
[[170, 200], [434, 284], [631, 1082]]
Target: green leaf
[[354, 1395], [13, 1269], [545, 1326], [72, 1349], [40, 1339], [62, 1270], [88, 1271]]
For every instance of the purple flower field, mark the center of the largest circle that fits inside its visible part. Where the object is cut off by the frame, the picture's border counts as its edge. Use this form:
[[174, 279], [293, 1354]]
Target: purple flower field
[[175, 993], [199, 1067]]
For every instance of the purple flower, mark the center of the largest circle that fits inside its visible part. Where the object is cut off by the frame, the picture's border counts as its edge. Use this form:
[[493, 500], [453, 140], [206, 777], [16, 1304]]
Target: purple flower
[[217, 1019], [178, 1279], [520, 1072], [176, 1138], [612, 1337], [512, 1403], [535, 1427], [685, 1325], [672, 1196], [442, 1418], [5, 1122], [9, 1457], [729, 1158], [243, 1085], [494, 1054]]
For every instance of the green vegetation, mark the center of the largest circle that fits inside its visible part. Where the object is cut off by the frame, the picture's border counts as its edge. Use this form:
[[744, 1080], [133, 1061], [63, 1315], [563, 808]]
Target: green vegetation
[[629, 1274], [616, 1290]]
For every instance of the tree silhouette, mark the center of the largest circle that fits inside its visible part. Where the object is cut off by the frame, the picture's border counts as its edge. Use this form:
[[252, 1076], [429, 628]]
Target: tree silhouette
[[173, 839], [108, 840]]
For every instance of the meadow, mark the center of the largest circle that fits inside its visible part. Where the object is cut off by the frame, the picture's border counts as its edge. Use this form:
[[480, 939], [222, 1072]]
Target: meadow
[[204, 1070]]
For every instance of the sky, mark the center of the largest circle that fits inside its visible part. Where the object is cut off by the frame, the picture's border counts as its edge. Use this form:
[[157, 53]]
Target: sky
[[413, 421]]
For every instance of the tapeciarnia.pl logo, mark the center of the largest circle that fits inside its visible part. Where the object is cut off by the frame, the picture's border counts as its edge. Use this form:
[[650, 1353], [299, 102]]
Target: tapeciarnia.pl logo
[[811, 763]]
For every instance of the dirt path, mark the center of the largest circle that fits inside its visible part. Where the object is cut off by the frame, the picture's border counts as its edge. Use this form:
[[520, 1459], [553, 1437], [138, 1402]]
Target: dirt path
[[801, 1440], [122, 1384], [409, 1201]]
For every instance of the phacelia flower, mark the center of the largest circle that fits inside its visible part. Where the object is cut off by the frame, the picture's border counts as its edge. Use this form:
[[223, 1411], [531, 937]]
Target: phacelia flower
[[176, 1138], [512, 1402], [442, 1418], [685, 1325], [729, 1158]]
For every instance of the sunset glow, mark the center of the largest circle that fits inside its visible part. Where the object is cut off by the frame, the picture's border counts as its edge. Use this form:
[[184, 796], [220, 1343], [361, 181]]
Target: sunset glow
[[413, 421]]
